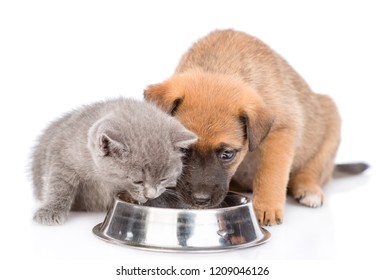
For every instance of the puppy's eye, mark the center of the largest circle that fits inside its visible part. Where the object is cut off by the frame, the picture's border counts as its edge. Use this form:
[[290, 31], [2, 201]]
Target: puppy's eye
[[138, 182], [227, 155]]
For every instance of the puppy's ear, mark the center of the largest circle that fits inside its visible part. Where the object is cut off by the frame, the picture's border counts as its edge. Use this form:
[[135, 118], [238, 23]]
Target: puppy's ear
[[257, 121], [164, 97]]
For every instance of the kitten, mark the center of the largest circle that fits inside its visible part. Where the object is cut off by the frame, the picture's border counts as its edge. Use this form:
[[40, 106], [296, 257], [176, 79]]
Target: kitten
[[85, 157]]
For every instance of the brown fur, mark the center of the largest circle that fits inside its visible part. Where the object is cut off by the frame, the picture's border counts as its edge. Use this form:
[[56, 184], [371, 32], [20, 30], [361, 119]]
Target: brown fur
[[230, 88]]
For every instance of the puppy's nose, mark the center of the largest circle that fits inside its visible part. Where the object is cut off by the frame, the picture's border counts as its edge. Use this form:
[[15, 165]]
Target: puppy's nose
[[201, 199]]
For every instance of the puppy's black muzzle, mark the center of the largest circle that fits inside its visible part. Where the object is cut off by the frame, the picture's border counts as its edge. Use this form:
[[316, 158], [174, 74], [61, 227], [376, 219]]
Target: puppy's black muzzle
[[205, 182]]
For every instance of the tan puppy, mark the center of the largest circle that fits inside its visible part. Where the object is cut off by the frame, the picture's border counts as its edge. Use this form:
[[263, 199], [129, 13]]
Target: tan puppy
[[258, 124]]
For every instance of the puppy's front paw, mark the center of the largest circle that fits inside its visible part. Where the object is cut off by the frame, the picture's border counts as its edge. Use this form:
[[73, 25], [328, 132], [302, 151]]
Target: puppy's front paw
[[268, 214], [46, 216]]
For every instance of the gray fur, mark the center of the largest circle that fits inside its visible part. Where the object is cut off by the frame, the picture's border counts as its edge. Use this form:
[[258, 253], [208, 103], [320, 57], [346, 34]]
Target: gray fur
[[85, 157]]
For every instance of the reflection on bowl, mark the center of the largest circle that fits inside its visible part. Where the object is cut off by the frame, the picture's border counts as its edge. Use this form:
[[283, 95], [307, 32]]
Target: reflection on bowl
[[164, 224]]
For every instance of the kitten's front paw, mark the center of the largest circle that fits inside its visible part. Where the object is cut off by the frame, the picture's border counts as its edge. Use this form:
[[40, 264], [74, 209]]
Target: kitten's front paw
[[50, 217], [268, 214]]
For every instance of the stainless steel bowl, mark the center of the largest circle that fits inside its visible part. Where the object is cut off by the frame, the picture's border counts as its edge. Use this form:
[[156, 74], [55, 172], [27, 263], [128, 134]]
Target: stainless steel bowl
[[163, 225]]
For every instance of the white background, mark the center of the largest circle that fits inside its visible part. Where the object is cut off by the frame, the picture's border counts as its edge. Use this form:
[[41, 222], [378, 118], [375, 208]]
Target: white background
[[58, 55]]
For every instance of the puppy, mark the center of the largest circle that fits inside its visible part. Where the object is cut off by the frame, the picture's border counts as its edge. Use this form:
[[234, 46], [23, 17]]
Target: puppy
[[259, 124]]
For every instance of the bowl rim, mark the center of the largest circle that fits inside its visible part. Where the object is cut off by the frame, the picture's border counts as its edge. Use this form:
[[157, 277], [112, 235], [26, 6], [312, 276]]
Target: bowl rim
[[247, 203]]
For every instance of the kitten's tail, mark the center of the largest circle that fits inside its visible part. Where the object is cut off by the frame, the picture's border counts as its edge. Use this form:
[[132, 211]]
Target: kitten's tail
[[345, 169]]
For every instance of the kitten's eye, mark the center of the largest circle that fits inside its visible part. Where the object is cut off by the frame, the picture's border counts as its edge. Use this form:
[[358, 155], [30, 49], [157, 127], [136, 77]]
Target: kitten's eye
[[138, 182], [227, 155], [164, 179]]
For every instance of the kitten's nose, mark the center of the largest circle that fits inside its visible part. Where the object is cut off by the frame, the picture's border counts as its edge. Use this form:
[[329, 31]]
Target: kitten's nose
[[150, 193], [201, 199]]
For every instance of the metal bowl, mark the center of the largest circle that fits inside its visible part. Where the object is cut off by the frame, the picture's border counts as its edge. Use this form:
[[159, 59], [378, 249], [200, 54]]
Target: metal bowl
[[163, 224]]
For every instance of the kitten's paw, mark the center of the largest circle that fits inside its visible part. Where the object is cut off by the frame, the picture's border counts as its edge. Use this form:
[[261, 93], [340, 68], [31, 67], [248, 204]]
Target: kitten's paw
[[268, 214], [50, 217]]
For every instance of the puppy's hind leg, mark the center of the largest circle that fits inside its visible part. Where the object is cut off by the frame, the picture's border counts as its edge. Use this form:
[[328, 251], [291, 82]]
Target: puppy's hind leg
[[305, 184]]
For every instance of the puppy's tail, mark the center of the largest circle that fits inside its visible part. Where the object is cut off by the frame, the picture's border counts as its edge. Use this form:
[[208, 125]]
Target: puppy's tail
[[346, 169]]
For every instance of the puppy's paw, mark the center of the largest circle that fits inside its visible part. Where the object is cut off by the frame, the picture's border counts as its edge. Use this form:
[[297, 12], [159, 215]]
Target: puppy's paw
[[46, 216], [268, 214], [313, 197], [313, 200]]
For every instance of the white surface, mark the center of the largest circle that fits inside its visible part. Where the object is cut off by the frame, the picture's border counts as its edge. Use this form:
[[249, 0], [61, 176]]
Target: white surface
[[55, 57]]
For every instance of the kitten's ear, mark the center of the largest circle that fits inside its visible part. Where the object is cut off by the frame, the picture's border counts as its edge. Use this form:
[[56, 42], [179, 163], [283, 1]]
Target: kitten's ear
[[109, 147], [103, 139], [181, 137]]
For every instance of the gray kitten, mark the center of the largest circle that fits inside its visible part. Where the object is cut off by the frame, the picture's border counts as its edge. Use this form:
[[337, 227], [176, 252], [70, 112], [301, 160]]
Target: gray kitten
[[85, 157]]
